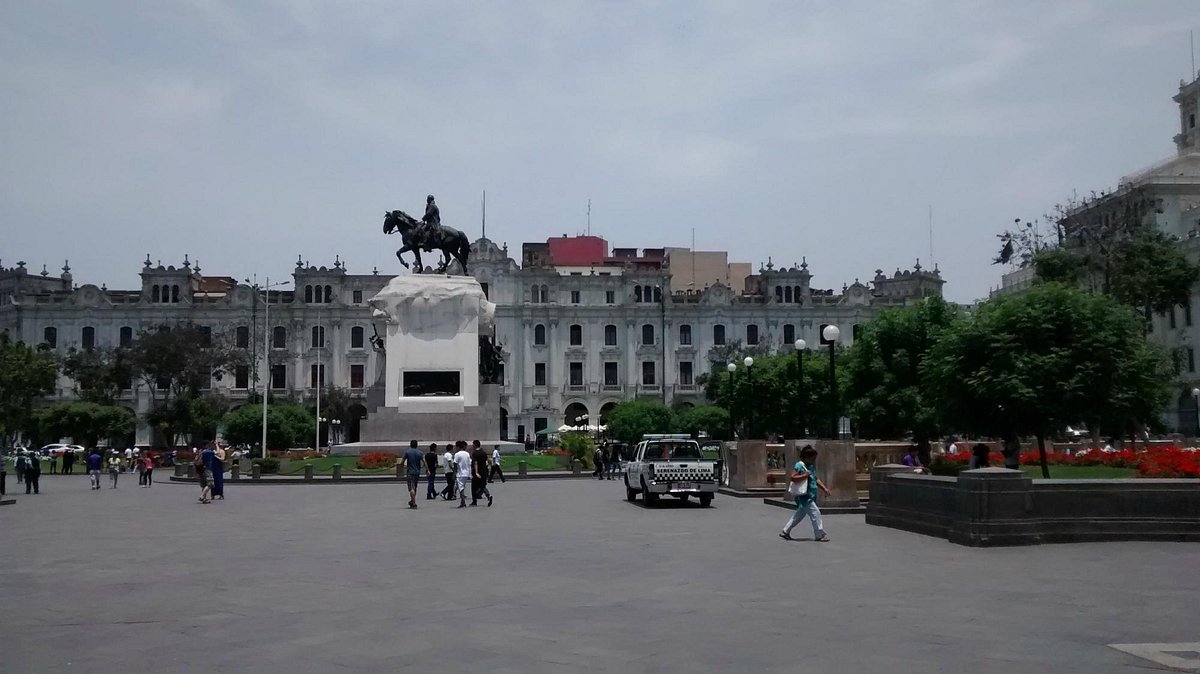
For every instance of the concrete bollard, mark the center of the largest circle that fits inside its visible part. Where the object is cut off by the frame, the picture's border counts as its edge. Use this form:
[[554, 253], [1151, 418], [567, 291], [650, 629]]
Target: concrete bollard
[[522, 468], [180, 470], [308, 471], [191, 470], [337, 471], [235, 473], [576, 465], [255, 471], [399, 470]]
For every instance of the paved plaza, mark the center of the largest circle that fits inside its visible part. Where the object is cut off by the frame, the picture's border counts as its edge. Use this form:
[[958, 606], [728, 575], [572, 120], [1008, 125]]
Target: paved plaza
[[560, 575]]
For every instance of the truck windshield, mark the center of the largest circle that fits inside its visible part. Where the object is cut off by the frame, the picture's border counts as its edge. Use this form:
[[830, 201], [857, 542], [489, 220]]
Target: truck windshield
[[672, 451]]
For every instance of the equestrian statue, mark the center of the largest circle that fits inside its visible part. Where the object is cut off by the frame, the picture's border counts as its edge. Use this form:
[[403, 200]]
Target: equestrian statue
[[428, 234]]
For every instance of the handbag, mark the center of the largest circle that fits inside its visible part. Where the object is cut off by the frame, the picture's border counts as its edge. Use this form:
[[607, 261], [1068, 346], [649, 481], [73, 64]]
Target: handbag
[[798, 488]]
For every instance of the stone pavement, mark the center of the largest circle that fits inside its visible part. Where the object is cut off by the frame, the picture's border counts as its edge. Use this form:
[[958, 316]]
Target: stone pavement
[[561, 575]]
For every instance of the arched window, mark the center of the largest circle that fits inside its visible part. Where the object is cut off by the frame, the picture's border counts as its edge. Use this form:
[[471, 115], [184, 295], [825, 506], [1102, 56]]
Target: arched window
[[126, 336], [752, 334], [685, 334], [778, 293], [308, 298], [719, 335], [610, 335], [533, 293], [545, 293], [539, 335], [318, 337], [175, 293], [356, 337], [50, 337], [576, 335], [637, 293], [88, 338], [242, 337], [328, 294], [796, 295], [155, 294], [789, 333], [647, 334], [279, 337], [787, 294], [657, 294]]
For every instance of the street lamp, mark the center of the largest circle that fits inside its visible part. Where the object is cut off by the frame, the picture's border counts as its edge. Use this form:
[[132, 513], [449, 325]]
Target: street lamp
[[267, 354], [749, 363], [800, 346], [1196, 397], [830, 334], [731, 368]]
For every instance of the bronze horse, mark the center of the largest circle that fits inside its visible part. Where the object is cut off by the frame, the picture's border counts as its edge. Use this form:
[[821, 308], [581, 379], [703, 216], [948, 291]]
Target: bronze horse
[[417, 237]]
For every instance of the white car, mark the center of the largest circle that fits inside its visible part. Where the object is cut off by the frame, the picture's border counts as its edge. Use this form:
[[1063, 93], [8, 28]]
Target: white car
[[58, 449]]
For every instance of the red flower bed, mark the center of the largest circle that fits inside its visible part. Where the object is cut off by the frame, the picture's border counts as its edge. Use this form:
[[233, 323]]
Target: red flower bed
[[1169, 462], [376, 460]]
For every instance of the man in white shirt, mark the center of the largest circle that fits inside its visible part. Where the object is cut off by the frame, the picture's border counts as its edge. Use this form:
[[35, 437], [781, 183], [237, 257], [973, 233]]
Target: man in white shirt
[[128, 458], [496, 470], [462, 461], [449, 469]]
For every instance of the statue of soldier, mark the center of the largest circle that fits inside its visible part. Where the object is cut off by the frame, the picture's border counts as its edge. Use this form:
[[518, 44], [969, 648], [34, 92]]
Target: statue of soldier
[[432, 219]]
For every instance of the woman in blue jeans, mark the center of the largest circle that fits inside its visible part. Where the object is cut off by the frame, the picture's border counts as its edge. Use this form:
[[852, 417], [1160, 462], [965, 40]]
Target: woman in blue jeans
[[804, 488]]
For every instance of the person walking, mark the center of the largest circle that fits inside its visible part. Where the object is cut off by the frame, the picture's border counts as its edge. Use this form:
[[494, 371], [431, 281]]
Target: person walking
[[148, 462], [803, 489], [496, 469], [128, 460], [449, 468], [95, 463], [19, 464], [412, 469], [114, 467], [462, 465], [431, 469], [54, 462], [33, 471], [3, 474], [218, 470], [141, 471], [479, 464], [204, 475]]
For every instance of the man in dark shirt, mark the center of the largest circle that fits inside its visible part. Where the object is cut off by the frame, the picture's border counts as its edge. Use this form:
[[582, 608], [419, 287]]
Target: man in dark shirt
[[479, 472], [431, 469], [412, 470], [33, 471], [94, 462]]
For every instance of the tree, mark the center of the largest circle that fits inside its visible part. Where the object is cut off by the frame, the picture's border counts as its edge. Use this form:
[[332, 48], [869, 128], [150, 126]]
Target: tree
[[772, 400], [885, 393], [1033, 362], [580, 446], [711, 420], [630, 420], [25, 375], [85, 422], [288, 425], [99, 374]]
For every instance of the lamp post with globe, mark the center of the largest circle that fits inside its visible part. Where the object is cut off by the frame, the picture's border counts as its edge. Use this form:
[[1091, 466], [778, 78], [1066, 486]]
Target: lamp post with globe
[[731, 368], [830, 335], [749, 363], [800, 346]]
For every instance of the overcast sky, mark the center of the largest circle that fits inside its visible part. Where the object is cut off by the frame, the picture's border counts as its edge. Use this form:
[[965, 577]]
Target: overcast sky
[[247, 133]]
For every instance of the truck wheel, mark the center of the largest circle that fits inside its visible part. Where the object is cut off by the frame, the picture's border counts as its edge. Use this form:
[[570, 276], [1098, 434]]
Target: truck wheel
[[630, 492], [650, 497], [705, 500]]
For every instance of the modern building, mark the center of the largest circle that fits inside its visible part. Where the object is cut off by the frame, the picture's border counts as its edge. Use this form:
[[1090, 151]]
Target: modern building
[[582, 327]]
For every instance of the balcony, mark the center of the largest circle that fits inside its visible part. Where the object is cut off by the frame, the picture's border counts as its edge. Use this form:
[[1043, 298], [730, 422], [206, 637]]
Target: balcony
[[613, 387]]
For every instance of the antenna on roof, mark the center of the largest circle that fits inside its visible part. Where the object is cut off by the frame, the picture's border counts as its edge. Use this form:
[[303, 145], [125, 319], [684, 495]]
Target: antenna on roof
[[589, 217], [483, 207]]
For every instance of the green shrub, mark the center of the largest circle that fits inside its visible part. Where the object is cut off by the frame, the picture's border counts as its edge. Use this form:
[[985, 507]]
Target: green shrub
[[940, 466], [267, 466]]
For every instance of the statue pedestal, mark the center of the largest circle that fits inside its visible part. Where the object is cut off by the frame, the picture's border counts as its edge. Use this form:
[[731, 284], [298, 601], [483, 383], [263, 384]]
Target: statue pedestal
[[431, 326]]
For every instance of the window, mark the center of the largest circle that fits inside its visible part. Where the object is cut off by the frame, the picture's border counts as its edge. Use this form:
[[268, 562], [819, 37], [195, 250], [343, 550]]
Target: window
[[500, 373], [1187, 313], [576, 332], [539, 374], [685, 335], [328, 294], [316, 375], [88, 338], [789, 333], [574, 297], [484, 287], [308, 296], [318, 337], [356, 376], [657, 294], [205, 336], [787, 294], [855, 330], [576, 373], [539, 335], [162, 383], [545, 293], [796, 295], [357, 295], [126, 338], [241, 376], [356, 337], [610, 297], [637, 293], [50, 337], [174, 293], [278, 376], [610, 335], [778, 293], [648, 373], [610, 374], [647, 334], [533, 293], [156, 294], [1191, 359], [1171, 318], [242, 336], [685, 373], [752, 334], [719, 335], [279, 337], [1192, 121]]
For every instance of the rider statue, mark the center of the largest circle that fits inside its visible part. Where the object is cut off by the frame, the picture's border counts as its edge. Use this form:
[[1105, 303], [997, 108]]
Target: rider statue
[[432, 219]]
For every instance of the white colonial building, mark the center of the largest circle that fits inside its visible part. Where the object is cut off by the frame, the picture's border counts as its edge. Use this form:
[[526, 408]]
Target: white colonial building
[[581, 328]]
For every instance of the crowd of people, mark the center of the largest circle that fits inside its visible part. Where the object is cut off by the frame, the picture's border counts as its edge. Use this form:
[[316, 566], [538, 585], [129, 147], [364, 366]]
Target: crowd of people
[[465, 470]]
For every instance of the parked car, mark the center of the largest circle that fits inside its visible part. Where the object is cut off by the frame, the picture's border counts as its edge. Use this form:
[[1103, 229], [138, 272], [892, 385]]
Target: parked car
[[58, 449]]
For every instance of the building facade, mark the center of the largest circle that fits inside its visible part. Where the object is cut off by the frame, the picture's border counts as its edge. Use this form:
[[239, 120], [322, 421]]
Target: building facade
[[581, 328]]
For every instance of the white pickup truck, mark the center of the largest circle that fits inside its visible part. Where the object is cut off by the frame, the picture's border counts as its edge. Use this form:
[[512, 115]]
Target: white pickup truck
[[671, 465]]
